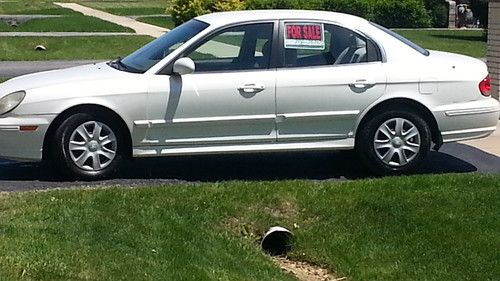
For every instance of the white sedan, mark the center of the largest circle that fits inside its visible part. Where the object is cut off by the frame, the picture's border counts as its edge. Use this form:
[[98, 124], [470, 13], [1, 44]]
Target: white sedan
[[252, 81]]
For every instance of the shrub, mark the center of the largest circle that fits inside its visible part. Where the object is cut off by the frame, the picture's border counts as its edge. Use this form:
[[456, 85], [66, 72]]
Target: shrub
[[396, 13], [391, 13], [438, 12], [229, 5], [273, 4], [361, 8], [184, 10]]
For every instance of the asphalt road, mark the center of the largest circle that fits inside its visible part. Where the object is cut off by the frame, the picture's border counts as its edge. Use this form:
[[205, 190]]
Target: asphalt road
[[453, 158]]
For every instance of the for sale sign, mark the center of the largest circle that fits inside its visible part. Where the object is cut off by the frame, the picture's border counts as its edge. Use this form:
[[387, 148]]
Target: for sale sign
[[308, 36]]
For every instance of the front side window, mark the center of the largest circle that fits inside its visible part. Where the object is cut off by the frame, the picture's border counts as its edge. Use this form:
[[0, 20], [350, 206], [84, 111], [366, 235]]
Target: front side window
[[149, 55], [318, 44], [243, 47]]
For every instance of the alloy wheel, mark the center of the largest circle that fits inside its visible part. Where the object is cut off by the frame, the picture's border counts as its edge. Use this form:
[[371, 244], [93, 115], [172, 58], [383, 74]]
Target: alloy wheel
[[397, 142], [92, 146]]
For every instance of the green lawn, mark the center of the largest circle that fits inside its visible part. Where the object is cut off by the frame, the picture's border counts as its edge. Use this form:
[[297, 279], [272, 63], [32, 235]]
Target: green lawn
[[165, 22], [3, 79], [143, 7], [72, 23], [135, 11], [30, 7], [467, 42], [69, 48], [402, 228]]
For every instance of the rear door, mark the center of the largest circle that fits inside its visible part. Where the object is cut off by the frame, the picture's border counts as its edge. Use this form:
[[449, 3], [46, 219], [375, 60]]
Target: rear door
[[329, 74]]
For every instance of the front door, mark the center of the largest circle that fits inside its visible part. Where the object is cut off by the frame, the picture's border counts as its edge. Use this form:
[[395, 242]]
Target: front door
[[230, 99]]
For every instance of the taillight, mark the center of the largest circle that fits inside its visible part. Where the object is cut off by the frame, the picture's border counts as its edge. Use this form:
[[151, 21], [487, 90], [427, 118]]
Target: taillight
[[485, 86]]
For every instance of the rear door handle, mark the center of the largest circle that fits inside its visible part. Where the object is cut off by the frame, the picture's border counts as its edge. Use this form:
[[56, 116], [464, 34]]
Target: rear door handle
[[363, 84], [251, 88]]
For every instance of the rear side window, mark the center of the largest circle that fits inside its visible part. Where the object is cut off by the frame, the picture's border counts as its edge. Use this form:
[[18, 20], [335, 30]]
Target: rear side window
[[402, 39], [317, 44]]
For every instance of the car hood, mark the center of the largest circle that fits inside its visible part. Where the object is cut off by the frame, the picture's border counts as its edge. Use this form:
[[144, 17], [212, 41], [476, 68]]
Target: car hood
[[97, 71]]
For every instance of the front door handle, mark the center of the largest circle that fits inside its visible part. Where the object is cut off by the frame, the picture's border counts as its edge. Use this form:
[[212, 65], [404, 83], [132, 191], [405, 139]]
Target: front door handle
[[251, 88]]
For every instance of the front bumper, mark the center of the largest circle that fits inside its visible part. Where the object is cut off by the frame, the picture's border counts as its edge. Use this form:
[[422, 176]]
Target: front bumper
[[469, 120], [23, 145]]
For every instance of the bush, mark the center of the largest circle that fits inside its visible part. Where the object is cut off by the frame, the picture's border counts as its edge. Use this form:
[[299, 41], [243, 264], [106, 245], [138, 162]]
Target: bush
[[184, 10], [391, 13], [361, 8], [228, 5], [396, 13], [438, 12], [273, 4]]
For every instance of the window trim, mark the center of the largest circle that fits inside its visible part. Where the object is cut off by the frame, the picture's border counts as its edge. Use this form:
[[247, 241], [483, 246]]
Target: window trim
[[380, 51], [168, 68]]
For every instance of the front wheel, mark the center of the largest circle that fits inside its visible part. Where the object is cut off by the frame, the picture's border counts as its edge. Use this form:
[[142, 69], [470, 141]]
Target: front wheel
[[88, 146], [394, 142]]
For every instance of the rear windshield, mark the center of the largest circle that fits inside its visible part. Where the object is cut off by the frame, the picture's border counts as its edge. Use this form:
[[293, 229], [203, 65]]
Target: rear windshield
[[402, 39]]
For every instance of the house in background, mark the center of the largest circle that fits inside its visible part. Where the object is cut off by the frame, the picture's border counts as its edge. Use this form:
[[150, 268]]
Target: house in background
[[494, 45]]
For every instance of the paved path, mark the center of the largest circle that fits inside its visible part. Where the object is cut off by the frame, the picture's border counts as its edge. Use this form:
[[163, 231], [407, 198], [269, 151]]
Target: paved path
[[63, 34], [139, 27], [9, 69]]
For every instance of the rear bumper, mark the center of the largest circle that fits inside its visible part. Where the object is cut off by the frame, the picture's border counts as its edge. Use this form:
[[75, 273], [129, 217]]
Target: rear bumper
[[23, 145], [470, 120]]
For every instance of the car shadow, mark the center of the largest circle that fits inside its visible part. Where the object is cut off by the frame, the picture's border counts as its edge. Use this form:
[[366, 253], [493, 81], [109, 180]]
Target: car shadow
[[453, 158]]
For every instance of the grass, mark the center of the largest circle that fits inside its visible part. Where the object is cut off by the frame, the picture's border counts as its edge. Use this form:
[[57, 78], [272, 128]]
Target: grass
[[73, 23], [69, 48], [165, 21], [3, 79], [466, 42], [135, 11], [33, 7], [403, 228], [134, 7]]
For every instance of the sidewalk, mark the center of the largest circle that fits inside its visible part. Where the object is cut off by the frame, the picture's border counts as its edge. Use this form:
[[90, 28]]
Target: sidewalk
[[490, 144], [139, 27]]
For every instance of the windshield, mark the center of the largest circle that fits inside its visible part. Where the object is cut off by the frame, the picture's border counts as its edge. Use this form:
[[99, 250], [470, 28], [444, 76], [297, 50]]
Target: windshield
[[147, 56], [402, 39]]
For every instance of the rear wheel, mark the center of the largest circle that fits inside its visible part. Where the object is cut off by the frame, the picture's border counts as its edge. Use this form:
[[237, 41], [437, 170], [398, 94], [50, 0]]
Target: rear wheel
[[88, 146], [394, 142]]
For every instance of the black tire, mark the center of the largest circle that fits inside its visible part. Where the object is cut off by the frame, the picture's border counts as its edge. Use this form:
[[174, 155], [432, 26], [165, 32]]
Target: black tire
[[61, 155], [365, 142]]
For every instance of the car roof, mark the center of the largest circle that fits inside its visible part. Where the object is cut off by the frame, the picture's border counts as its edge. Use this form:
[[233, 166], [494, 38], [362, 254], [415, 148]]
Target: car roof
[[225, 18]]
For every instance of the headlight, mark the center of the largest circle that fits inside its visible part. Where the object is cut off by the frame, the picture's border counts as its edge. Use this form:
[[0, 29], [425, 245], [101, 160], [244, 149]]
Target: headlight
[[11, 101]]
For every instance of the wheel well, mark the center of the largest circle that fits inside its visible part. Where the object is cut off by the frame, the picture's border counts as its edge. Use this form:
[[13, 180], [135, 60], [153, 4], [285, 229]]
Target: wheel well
[[412, 105], [83, 108]]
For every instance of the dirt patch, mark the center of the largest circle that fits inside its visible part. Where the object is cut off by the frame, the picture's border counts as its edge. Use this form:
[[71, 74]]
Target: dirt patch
[[306, 272]]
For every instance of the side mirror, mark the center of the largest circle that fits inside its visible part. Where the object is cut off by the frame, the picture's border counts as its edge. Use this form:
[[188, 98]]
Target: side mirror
[[184, 66]]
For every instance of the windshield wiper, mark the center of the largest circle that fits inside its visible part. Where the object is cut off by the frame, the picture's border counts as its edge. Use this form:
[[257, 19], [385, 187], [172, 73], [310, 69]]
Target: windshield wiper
[[118, 64]]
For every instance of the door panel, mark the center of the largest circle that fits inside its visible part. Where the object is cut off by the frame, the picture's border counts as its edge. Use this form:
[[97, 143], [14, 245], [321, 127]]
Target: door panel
[[329, 75], [230, 98], [324, 102], [209, 108]]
